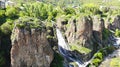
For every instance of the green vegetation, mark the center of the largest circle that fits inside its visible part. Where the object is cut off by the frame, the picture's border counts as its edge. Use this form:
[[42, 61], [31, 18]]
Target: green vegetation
[[115, 62], [7, 17], [38, 14], [117, 32], [12, 12], [105, 33], [99, 56], [80, 49], [90, 9], [58, 60], [28, 23], [2, 16]]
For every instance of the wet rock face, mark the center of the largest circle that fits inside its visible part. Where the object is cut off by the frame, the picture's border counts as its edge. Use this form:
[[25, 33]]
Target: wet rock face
[[30, 49]]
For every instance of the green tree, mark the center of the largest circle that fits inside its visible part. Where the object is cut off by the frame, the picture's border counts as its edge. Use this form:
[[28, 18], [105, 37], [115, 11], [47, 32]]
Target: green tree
[[12, 12]]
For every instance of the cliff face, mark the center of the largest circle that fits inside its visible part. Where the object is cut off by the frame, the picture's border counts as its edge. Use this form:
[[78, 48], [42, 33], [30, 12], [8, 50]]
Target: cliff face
[[116, 22], [78, 31], [98, 27], [85, 32], [30, 48], [82, 29]]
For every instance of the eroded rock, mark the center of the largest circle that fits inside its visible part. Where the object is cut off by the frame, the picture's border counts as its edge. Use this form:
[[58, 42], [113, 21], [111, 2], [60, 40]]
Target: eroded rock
[[30, 48], [116, 23], [98, 27], [84, 31]]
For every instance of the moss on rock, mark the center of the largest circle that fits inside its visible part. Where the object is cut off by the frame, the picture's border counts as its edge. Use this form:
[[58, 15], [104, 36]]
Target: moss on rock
[[80, 49]]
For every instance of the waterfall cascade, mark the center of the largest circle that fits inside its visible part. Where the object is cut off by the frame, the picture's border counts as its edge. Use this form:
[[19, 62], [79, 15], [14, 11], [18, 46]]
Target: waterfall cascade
[[117, 45], [117, 41], [65, 50]]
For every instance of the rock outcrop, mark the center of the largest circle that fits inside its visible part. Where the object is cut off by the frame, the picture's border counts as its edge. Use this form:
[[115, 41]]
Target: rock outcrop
[[30, 48], [98, 27], [78, 31], [116, 23], [84, 31]]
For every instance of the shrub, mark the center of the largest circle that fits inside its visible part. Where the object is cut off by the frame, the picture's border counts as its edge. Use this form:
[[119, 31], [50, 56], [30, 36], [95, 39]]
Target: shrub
[[22, 13], [90, 9], [96, 61], [29, 22], [2, 16], [99, 56], [105, 34], [38, 10], [11, 12], [6, 28], [80, 49], [2, 13], [105, 9], [117, 32], [69, 10], [58, 61]]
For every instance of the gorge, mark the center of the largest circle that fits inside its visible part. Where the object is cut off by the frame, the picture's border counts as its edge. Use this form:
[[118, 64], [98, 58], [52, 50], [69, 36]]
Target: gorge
[[47, 34], [66, 52]]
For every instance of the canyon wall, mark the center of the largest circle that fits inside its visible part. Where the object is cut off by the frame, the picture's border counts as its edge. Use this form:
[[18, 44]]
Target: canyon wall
[[30, 48]]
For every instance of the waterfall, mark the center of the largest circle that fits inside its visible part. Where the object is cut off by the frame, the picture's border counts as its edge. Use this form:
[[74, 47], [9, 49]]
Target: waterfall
[[117, 41], [63, 47], [65, 50]]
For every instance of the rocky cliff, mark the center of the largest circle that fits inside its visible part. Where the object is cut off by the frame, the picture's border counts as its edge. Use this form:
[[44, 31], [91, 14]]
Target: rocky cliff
[[30, 48], [77, 31], [82, 33]]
